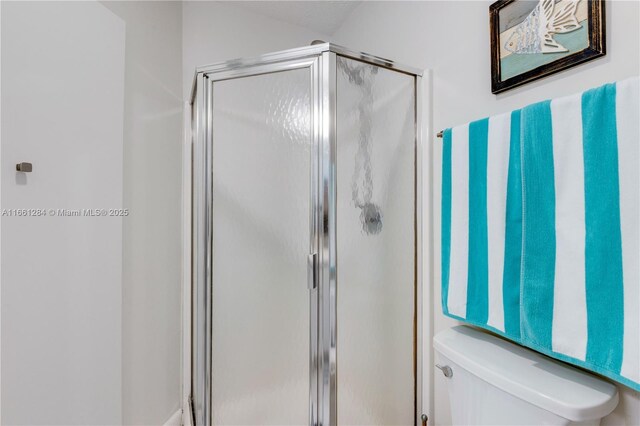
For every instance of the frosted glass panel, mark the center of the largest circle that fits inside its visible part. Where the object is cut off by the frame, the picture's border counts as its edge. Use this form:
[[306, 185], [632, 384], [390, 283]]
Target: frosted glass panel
[[375, 245], [261, 169]]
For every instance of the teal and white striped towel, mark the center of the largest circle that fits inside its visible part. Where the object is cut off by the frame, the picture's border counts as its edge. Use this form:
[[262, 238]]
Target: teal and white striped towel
[[540, 227]]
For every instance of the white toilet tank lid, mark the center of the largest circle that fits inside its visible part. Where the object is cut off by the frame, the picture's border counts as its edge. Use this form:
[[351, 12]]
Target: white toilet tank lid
[[549, 384]]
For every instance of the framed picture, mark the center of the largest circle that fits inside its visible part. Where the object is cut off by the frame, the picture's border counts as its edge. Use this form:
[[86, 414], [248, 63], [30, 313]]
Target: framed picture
[[531, 39]]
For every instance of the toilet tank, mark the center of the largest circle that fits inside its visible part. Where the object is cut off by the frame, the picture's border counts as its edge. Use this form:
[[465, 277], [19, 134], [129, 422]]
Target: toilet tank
[[494, 382]]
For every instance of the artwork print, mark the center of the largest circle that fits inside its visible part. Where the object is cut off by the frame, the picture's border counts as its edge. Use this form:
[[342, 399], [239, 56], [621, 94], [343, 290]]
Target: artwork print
[[532, 38]]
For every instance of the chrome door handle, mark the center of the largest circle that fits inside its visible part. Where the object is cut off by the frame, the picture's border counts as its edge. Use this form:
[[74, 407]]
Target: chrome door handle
[[446, 370], [312, 275]]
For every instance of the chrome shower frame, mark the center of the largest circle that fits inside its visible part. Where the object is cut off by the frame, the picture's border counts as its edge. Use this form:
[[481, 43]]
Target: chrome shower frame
[[320, 59]]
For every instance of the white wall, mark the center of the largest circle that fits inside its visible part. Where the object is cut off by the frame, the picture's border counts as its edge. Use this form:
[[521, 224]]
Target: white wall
[[151, 297], [62, 110], [219, 31], [91, 329], [451, 37]]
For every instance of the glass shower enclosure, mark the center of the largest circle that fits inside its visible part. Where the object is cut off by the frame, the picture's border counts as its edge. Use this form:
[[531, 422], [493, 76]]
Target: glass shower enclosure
[[306, 233]]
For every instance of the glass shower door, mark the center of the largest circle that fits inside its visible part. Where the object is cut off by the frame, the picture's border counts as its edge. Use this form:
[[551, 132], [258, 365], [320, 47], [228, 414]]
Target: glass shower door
[[260, 328], [376, 244]]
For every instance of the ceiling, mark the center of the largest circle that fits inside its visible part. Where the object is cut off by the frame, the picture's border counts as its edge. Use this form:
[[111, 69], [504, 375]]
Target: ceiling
[[324, 17]]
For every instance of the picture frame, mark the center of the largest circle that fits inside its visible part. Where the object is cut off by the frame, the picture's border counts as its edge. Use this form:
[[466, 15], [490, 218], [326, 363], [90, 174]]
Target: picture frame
[[531, 39]]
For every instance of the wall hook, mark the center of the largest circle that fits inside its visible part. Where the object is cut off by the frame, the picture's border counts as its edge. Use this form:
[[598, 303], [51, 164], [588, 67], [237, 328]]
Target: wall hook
[[24, 167]]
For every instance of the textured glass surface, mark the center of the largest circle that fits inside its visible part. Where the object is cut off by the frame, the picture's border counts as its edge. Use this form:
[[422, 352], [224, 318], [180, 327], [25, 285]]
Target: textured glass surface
[[261, 168], [375, 245]]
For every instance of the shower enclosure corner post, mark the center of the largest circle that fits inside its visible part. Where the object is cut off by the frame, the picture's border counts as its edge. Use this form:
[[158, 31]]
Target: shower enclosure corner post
[[419, 251], [201, 255], [425, 232], [314, 242], [327, 289]]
